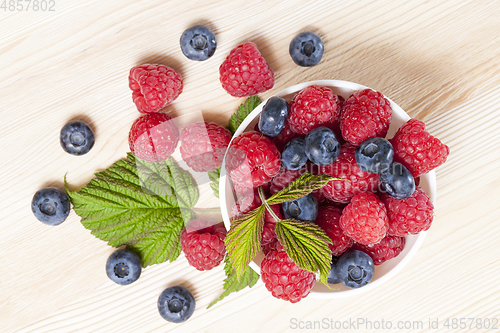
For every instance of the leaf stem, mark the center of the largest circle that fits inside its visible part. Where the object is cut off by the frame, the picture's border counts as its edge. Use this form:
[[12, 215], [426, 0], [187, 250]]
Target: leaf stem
[[268, 208]]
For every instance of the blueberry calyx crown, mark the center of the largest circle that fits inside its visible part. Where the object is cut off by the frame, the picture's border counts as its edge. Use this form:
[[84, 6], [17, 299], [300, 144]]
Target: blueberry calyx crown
[[121, 270], [48, 207], [199, 42]]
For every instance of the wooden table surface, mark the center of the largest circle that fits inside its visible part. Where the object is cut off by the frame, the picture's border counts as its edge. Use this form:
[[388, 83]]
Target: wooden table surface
[[439, 60]]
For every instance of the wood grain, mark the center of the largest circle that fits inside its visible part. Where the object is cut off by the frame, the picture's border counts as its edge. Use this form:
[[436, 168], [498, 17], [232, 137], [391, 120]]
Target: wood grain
[[436, 59]]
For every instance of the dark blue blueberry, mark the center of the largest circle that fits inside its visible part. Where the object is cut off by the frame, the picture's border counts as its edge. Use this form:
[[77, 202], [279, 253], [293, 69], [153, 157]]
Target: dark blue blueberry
[[50, 205], [303, 209], [355, 269], [273, 116], [322, 147], [123, 266], [306, 49], [77, 138], [397, 181], [176, 304], [374, 155], [198, 43], [293, 156], [332, 277]]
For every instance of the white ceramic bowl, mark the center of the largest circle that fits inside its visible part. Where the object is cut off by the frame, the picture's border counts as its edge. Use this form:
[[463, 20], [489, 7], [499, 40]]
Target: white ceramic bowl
[[383, 272]]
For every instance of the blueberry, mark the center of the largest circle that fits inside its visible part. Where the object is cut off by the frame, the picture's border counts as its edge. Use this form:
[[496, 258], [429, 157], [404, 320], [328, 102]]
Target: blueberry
[[293, 156], [306, 49], [355, 269], [176, 304], [397, 181], [322, 146], [50, 205], [303, 209], [198, 43], [77, 138], [123, 266], [374, 155], [332, 277], [273, 116]]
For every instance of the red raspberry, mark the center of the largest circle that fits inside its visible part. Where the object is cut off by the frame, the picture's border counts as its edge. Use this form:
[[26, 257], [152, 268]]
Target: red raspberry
[[312, 107], [285, 177], [284, 137], [366, 113], [416, 149], [284, 279], [153, 137], [252, 160], [203, 145], [328, 219], [410, 215], [251, 201], [154, 86], [365, 219], [245, 72], [202, 242], [345, 167], [388, 248], [268, 234]]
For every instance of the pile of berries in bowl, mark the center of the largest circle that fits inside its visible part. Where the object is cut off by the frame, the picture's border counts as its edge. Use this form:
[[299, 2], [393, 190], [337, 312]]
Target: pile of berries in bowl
[[377, 209]]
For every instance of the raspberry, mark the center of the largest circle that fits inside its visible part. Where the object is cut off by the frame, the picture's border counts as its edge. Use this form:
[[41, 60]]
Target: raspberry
[[366, 113], [328, 219], [365, 219], [203, 145], [251, 201], [154, 86], [285, 177], [284, 279], [268, 234], [409, 216], [312, 107], [388, 248], [345, 167], [202, 242], [153, 137], [252, 160], [245, 72], [416, 149], [285, 136]]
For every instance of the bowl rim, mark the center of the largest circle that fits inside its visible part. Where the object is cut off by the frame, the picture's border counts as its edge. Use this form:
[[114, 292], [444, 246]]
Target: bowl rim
[[430, 177]]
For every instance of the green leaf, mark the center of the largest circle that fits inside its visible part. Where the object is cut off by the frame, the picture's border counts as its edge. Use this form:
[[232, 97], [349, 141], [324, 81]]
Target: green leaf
[[140, 204], [243, 239], [300, 187], [243, 111], [233, 283], [307, 245], [214, 178]]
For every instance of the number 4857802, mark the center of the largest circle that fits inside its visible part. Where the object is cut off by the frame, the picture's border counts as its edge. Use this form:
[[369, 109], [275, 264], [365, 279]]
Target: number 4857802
[[25, 5]]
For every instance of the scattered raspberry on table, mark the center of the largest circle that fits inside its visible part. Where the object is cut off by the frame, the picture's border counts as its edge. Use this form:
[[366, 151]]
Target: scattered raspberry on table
[[203, 145], [154, 87], [245, 72], [202, 242], [153, 137]]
